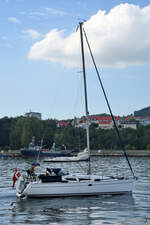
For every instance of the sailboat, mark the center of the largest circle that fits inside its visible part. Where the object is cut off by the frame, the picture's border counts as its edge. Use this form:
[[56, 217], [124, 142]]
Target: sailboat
[[81, 156], [56, 183]]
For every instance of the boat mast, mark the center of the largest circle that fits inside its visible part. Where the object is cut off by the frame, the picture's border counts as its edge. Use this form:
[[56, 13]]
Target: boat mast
[[85, 95]]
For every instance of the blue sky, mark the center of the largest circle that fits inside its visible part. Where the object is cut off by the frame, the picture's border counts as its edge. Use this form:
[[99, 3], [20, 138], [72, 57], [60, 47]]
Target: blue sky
[[40, 68]]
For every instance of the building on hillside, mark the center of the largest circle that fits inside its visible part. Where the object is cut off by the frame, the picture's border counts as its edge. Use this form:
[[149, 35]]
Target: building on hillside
[[120, 125], [131, 125], [106, 125], [34, 114], [103, 122], [128, 118], [62, 124], [76, 121], [106, 122], [143, 120]]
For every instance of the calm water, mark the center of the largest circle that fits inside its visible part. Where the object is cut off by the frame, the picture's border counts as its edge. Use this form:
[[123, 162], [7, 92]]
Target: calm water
[[117, 210]]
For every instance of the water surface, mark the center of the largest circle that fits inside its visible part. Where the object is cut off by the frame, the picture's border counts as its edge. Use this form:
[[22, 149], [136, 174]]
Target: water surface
[[97, 210]]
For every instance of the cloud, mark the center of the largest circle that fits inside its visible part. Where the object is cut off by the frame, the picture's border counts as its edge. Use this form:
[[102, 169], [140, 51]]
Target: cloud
[[30, 33], [56, 49], [44, 12], [37, 14], [56, 12], [119, 38], [4, 38], [14, 19], [7, 1]]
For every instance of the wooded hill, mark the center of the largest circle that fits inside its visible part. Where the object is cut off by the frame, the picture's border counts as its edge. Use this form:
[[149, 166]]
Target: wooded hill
[[143, 112], [16, 133]]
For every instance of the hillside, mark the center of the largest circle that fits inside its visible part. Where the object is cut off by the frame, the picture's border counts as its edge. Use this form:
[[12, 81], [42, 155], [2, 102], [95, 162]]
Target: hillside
[[143, 112]]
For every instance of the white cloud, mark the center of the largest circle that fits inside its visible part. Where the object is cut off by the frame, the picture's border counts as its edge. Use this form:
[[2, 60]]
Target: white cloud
[[30, 33], [119, 38], [14, 19], [56, 12], [37, 14], [44, 12], [4, 38]]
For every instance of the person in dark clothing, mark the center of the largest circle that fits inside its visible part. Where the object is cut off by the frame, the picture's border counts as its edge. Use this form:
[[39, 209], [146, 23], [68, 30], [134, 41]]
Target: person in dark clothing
[[31, 172], [48, 171]]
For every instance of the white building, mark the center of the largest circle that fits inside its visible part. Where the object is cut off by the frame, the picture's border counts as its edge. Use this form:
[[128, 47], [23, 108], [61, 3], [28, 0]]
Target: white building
[[128, 125], [143, 120], [34, 114], [106, 123]]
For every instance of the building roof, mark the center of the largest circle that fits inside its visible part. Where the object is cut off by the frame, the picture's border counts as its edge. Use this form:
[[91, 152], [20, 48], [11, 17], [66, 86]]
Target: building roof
[[63, 123], [104, 118]]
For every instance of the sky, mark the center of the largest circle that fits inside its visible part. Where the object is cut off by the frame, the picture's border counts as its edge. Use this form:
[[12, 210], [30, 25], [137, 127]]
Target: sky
[[40, 57]]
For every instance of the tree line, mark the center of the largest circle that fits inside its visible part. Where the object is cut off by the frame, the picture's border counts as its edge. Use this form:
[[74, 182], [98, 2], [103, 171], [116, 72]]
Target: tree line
[[16, 133]]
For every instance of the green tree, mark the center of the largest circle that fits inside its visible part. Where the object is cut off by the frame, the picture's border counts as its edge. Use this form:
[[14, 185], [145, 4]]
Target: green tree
[[128, 147], [31, 127], [16, 132], [5, 126], [49, 129], [148, 147]]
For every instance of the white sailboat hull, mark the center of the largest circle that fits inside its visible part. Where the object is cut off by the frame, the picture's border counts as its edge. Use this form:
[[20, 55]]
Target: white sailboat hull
[[77, 188], [82, 156]]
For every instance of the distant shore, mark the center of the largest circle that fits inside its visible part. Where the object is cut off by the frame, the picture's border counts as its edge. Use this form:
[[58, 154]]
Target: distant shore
[[119, 153], [102, 153]]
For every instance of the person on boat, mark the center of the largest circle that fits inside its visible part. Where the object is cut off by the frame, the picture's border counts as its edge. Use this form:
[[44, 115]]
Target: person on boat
[[16, 175], [31, 172], [48, 171]]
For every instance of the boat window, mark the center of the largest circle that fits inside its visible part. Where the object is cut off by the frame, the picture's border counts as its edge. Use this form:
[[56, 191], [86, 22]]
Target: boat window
[[70, 178], [82, 179]]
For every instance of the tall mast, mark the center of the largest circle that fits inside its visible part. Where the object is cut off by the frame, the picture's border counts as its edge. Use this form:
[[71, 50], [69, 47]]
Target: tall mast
[[85, 95]]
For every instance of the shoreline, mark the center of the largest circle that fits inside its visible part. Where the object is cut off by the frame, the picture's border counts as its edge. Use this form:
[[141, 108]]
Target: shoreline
[[119, 153], [103, 153]]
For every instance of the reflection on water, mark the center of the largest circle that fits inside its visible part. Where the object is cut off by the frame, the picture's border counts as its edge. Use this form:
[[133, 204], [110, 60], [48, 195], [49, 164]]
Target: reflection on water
[[97, 210], [86, 210]]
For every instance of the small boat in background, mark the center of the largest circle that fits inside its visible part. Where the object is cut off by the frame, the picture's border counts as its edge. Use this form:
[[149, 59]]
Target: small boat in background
[[38, 151], [81, 156], [2, 154]]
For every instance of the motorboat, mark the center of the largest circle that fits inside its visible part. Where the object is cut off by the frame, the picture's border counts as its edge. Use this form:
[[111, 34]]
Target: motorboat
[[38, 151]]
